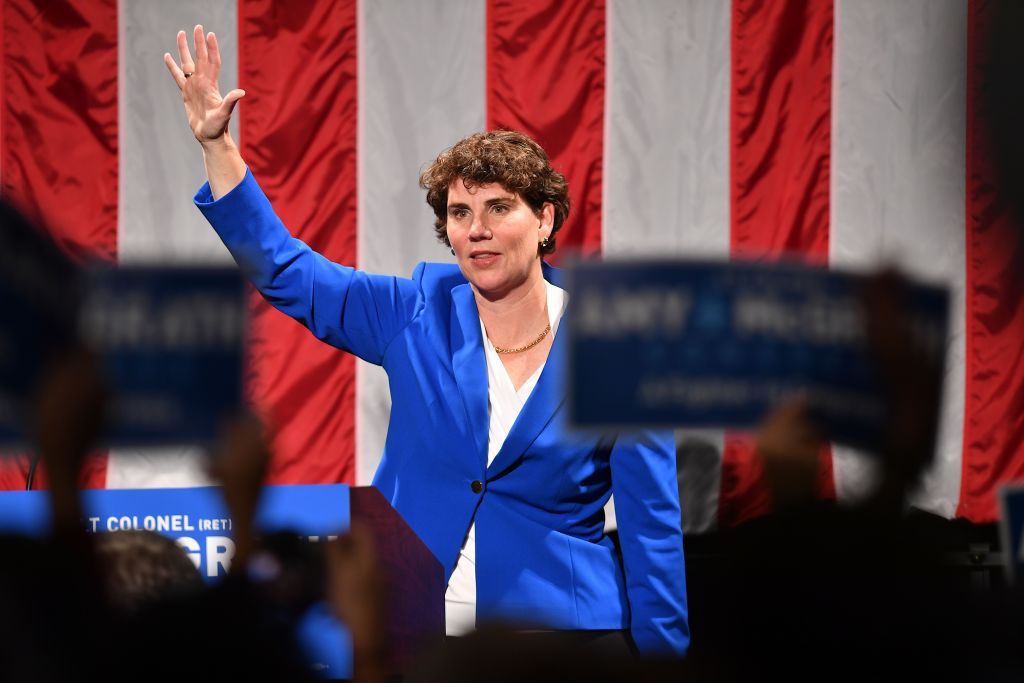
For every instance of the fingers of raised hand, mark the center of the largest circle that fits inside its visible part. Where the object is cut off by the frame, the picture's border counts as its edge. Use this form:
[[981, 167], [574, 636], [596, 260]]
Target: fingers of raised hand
[[207, 54], [176, 72], [184, 56], [228, 104], [212, 49], [199, 40], [213, 54]]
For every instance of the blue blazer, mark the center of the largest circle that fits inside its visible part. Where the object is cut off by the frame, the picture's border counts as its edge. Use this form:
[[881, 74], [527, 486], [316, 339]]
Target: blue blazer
[[541, 552]]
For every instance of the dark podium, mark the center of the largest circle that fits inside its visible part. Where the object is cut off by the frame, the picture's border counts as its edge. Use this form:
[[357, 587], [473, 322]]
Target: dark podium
[[415, 578]]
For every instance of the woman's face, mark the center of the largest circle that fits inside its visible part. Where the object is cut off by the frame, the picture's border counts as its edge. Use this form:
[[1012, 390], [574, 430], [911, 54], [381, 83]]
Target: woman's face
[[495, 235]]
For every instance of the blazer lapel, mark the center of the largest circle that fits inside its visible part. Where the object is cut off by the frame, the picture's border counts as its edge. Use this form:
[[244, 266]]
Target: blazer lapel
[[469, 365], [545, 400]]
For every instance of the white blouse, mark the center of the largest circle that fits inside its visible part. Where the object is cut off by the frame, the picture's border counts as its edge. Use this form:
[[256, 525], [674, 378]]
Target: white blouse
[[504, 406]]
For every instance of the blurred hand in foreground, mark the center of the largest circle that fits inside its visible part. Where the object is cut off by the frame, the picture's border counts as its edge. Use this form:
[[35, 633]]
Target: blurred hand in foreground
[[69, 412], [357, 593], [240, 465], [789, 444], [911, 387]]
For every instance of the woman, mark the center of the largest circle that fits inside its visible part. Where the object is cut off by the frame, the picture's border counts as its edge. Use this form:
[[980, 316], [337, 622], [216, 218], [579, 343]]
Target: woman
[[479, 462]]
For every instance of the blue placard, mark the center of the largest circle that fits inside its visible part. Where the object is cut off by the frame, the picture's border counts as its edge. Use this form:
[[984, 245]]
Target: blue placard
[[699, 344], [197, 519], [39, 287], [171, 340], [1011, 528]]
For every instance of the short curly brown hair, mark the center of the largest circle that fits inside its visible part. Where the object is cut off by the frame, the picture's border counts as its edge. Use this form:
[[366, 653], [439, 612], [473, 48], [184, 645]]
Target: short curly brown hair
[[506, 157]]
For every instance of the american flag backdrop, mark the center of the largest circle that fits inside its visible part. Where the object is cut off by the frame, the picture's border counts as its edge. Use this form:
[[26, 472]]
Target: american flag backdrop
[[843, 130]]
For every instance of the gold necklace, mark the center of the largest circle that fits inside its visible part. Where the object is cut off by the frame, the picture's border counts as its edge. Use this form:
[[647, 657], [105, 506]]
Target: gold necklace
[[529, 346]]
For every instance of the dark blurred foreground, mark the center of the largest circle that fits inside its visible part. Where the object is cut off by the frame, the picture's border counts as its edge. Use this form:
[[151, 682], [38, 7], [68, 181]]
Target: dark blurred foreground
[[813, 590]]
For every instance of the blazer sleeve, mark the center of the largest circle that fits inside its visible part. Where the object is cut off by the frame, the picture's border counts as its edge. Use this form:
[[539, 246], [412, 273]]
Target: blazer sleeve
[[647, 511], [347, 308]]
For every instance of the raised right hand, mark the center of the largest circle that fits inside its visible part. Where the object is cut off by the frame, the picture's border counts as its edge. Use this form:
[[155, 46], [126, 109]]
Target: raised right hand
[[208, 112]]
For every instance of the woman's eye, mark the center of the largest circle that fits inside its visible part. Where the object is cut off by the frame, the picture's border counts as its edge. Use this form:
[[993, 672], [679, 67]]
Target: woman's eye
[[500, 208], [458, 214]]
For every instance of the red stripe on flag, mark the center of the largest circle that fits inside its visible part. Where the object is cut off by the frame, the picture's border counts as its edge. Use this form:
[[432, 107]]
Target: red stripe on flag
[[780, 146], [993, 450], [3, 85], [297, 64], [545, 77], [58, 117], [58, 157]]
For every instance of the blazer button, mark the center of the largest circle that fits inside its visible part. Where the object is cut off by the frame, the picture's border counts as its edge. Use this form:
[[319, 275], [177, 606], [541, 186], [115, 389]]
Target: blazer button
[[477, 487]]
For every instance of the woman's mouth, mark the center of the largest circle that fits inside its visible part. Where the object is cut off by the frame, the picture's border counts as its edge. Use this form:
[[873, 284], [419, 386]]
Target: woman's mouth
[[482, 259]]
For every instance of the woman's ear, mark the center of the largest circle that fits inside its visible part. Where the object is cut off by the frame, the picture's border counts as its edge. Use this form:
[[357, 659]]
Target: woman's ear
[[547, 221]]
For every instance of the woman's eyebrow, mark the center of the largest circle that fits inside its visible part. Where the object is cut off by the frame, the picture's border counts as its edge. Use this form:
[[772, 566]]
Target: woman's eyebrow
[[499, 200]]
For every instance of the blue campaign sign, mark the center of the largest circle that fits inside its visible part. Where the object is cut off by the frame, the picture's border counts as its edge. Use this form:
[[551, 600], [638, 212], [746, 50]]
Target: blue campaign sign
[[39, 288], [197, 519], [700, 344], [171, 340], [1011, 528], [28, 335]]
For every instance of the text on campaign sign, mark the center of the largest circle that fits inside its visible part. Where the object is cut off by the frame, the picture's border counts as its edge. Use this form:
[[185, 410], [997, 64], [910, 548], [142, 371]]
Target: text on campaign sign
[[700, 344], [171, 340]]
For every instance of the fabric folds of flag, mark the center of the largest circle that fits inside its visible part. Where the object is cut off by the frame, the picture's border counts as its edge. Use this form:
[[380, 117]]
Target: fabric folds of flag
[[846, 132]]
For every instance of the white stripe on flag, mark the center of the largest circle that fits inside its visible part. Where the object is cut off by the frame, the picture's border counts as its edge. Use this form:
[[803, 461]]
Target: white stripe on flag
[[666, 167], [898, 175], [161, 163], [161, 166], [421, 89]]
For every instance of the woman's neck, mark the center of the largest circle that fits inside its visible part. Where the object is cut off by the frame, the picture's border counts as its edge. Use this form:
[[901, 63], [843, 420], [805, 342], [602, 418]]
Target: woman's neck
[[518, 317]]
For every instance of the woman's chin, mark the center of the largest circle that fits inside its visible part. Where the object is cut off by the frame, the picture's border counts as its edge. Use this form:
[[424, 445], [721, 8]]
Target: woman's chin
[[489, 290], [490, 285]]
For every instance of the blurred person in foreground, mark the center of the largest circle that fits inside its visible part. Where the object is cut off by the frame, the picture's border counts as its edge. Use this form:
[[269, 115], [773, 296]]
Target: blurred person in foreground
[[478, 459], [853, 591], [53, 397], [140, 567], [82, 607]]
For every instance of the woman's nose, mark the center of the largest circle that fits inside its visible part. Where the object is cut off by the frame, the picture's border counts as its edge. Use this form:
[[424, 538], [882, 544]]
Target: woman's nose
[[478, 228]]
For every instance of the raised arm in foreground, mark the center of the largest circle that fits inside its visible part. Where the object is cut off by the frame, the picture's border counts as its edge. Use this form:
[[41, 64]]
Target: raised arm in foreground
[[208, 112]]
